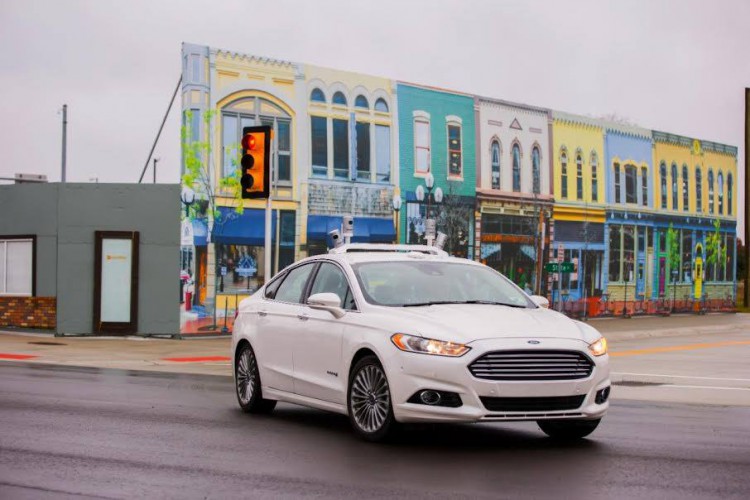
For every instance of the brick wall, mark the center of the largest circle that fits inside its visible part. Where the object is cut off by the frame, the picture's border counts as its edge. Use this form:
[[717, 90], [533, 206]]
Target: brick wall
[[28, 312]]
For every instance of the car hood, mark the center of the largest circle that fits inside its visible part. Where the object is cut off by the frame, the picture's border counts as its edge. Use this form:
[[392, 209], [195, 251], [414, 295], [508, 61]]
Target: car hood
[[469, 322]]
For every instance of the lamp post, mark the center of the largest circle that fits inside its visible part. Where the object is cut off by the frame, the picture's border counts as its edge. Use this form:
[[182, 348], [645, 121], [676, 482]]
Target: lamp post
[[429, 184], [188, 198], [396, 209]]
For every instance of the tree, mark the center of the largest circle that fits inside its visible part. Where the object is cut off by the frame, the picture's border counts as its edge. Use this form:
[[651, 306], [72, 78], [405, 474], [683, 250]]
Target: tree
[[673, 258], [716, 253], [197, 175]]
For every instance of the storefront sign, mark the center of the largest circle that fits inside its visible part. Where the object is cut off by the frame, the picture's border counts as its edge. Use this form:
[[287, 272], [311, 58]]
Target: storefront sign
[[187, 235]]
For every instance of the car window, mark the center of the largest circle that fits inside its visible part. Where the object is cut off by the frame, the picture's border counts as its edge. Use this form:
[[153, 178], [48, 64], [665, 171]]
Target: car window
[[273, 287], [293, 286], [330, 279]]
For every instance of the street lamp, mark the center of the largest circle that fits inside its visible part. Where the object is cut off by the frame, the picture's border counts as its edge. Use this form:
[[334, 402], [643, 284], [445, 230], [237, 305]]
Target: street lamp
[[397, 201], [188, 198], [429, 183]]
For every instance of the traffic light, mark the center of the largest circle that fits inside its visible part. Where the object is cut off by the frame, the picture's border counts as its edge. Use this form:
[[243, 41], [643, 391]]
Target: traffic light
[[256, 166]]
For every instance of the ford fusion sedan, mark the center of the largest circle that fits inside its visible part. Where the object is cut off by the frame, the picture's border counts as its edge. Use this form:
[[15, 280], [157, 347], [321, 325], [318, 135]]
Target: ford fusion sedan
[[388, 334]]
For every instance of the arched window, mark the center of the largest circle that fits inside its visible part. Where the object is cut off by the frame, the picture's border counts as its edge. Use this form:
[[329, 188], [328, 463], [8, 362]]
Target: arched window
[[339, 98], [536, 180], [579, 177], [644, 186], [361, 102], [564, 174], [674, 186], [710, 191], [495, 160], [663, 184], [516, 168], [317, 95], [631, 184], [685, 188], [698, 189], [729, 194], [594, 178], [720, 182], [381, 105], [618, 182]]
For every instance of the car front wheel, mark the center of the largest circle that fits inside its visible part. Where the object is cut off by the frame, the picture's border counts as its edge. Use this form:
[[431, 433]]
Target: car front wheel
[[568, 429], [369, 400], [247, 383]]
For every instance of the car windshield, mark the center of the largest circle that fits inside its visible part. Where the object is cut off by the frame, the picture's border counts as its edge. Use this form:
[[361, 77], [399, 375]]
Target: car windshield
[[425, 283]]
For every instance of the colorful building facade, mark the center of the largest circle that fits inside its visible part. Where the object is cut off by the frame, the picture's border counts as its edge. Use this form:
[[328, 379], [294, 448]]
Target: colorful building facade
[[514, 189]]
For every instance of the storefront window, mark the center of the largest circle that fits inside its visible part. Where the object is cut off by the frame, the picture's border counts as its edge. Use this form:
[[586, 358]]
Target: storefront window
[[729, 267], [629, 234], [687, 255], [240, 268], [614, 252]]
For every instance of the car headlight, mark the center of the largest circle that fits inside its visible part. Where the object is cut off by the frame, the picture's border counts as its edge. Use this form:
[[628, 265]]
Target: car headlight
[[412, 343], [599, 348]]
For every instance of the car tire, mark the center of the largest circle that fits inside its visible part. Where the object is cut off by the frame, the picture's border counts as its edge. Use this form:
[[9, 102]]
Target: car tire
[[568, 429], [247, 383], [369, 401]]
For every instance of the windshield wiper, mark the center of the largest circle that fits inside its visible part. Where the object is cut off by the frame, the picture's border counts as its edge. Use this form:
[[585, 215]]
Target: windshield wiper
[[439, 302]]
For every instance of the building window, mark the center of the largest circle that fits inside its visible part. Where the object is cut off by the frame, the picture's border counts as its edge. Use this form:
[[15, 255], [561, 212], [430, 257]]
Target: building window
[[710, 191], [579, 177], [628, 252], [382, 153], [594, 178], [516, 168], [361, 102], [631, 184], [698, 190], [195, 125], [674, 186], [454, 151], [196, 74], [363, 151], [421, 145], [720, 185], [685, 206], [615, 252], [564, 174], [340, 148], [17, 266], [339, 98], [729, 267], [663, 184], [319, 145], [644, 186], [618, 196], [687, 255], [250, 112], [495, 161], [729, 193], [381, 105], [317, 95], [535, 173]]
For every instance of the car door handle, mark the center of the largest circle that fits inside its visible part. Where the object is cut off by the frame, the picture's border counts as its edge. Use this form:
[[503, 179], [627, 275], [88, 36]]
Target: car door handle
[[303, 317], [262, 313]]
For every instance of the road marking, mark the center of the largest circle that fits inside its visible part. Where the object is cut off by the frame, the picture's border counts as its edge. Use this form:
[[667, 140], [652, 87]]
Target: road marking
[[686, 347], [198, 359], [8, 355], [682, 376]]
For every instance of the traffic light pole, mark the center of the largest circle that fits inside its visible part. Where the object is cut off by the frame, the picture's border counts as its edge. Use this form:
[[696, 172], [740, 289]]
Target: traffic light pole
[[64, 141], [267, 242]]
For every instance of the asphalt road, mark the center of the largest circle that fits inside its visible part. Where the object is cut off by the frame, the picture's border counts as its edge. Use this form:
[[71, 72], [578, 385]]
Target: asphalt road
[[75, 432]]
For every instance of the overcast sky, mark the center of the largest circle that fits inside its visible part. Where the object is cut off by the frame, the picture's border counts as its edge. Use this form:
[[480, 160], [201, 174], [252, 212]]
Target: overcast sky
[[679, 66]]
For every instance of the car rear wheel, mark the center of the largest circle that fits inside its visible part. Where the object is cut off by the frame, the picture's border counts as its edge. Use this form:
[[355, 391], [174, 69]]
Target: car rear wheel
[[369, 400], [568, 429], [247, 383]]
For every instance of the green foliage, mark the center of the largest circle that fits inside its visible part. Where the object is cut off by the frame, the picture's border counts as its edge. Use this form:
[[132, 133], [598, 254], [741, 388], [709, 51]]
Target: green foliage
[[673, 249], [716, 253]]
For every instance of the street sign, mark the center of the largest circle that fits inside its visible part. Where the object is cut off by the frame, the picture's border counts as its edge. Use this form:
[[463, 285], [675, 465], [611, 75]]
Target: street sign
[[559, 267]]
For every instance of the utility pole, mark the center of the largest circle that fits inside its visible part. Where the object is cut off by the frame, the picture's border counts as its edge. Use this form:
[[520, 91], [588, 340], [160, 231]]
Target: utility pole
[[747, 190], [155, 160], [64, 140]]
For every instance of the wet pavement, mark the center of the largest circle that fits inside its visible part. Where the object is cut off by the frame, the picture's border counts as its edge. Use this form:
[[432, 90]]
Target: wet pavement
[[89, 432]]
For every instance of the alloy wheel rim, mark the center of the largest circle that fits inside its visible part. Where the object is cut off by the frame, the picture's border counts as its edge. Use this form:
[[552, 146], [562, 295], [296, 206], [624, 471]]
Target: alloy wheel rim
[[370, 398], [246, 376]]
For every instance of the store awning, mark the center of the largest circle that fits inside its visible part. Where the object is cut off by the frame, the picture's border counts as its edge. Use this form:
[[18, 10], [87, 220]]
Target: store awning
[[200, 232], [366, 229], [247, 228]]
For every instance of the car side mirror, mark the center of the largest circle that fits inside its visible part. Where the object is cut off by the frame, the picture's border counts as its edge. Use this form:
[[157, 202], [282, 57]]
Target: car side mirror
[[540, 301], [326, 301]]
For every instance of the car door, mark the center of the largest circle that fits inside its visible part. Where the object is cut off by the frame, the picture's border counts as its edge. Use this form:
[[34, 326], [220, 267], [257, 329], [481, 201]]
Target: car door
[[318, 344], [278, 321]]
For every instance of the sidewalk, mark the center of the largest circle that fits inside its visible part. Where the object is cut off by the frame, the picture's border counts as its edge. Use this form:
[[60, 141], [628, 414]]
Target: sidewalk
[[211, 355]]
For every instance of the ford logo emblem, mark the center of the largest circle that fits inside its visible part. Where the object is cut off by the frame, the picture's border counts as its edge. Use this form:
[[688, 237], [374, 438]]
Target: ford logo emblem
[[535, 342]]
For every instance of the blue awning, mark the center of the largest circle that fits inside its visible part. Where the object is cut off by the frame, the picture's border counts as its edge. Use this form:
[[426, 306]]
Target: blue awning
[[247, 228], [366, 229], [200, 232]]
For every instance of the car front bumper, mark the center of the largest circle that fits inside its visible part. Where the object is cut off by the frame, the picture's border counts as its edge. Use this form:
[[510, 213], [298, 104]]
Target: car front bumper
[[409, 373]]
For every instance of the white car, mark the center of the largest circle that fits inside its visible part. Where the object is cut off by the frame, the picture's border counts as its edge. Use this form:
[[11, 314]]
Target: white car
[[403, 333]]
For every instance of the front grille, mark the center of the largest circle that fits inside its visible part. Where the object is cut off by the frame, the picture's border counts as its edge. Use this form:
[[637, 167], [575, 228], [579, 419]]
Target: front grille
[[556, 403], [532, 365]]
